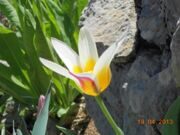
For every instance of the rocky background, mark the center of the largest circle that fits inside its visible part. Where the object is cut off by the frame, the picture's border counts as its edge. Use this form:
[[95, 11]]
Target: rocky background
[[146, 71]]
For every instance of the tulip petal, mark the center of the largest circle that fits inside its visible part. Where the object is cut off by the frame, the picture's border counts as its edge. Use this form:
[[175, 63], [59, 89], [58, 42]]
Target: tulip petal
[[58, 69], [87, 50], [102, 68], [67, 55], [107, 56], [103, 78], [87, 84]]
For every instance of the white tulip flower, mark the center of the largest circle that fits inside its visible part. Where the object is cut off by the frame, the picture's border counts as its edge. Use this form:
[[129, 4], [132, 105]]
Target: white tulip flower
[[89, 71]]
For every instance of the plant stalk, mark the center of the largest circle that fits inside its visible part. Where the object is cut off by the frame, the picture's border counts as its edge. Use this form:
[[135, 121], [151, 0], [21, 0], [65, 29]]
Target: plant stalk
[[108, 116]]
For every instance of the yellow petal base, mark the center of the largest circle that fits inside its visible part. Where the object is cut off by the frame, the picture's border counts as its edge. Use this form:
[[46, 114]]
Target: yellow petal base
[[104, 78], [89, 65], [88, 86], [77, 69]]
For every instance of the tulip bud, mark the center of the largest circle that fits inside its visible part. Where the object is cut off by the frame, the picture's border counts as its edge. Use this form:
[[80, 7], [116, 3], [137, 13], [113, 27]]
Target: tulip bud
[[41, 102]]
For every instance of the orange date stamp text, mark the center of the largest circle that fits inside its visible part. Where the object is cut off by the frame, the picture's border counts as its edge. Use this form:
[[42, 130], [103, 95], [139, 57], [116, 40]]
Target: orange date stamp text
[[155, 122]]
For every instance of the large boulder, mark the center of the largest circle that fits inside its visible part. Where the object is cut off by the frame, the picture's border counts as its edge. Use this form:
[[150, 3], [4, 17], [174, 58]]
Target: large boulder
[[175, 48]]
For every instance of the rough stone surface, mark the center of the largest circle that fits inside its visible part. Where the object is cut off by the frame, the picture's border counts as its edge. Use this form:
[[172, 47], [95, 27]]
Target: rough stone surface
[[107, 20], [144, 86], [172, 14], [158, 19], [151, 22], [175, 48]]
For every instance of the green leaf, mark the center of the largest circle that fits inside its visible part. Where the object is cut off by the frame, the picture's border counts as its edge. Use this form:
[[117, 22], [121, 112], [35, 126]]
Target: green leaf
[[3, 131], [25, 78], [19, 132], [80, 6], [11, 51], [65, 131], [9, 11], [4, 30], [29, 16], [13, 79], [174, 115], [40, 41], [42, 119], [52, 13], [19, 93], [62, 111], [38, 77]]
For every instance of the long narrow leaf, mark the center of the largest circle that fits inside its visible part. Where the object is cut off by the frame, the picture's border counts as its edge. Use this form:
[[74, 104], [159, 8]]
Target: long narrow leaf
[[11, 51], [65, 131], [38, 77], [19, 93], [19, 132], [9, 11], [172, 115], [42, 119]]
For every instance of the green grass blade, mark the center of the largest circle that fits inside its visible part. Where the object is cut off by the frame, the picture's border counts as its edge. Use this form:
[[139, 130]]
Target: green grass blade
[[9, 11], [65, 131], [19, 93], [38, 77]]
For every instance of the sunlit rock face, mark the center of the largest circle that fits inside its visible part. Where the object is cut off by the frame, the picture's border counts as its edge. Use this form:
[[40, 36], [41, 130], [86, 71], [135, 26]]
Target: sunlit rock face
[[146, 76], [108, 20]]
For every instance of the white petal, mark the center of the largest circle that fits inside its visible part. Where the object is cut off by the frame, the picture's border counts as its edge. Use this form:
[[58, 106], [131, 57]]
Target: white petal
[[67, 55], [107, 56], [57, 68], [87, 47], [86, 75]]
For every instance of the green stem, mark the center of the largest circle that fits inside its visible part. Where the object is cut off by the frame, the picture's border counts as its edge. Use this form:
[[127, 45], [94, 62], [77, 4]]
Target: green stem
[[108, 116]]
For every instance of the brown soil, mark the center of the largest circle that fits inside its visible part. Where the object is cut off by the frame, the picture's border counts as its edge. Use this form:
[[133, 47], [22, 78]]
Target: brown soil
[[91, 129], [83, 124]]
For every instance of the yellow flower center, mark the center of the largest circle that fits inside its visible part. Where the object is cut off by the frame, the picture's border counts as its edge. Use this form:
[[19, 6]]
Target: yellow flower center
[[77, 69], [89, 66], [88, 87]]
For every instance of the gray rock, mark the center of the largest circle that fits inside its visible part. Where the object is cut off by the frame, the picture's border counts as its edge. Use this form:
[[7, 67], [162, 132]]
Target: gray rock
[[151, 22], [158, 19], [107, 21], [172, 14], [175, 48], [144, 87]]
